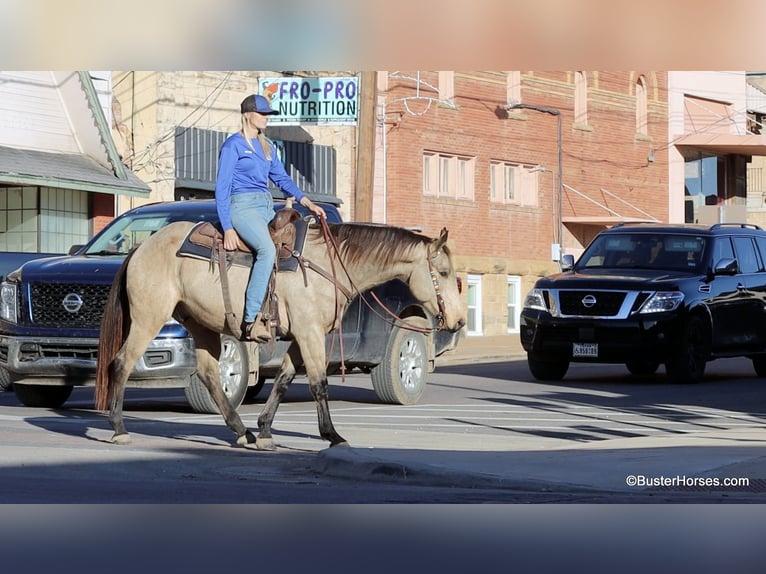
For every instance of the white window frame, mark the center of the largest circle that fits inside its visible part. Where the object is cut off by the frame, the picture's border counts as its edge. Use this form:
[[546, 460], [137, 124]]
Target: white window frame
[[513, 307], [447, 175], [513, 184], [474, 282]]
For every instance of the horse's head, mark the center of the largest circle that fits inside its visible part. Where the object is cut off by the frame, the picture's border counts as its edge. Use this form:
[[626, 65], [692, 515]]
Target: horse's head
[[436, 284]]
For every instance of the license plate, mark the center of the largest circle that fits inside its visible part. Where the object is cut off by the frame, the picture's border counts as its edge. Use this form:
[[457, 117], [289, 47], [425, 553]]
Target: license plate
[[585, 350]]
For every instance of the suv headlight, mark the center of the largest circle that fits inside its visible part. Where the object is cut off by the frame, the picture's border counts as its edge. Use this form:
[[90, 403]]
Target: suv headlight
[[662, 301], [535, 300], [8, 309]]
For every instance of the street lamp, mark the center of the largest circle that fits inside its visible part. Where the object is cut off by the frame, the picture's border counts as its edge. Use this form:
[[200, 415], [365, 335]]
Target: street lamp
[[560, 218]]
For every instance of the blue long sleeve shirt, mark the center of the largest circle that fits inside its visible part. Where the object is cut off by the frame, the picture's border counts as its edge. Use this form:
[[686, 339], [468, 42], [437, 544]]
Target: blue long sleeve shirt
[[242, 170]]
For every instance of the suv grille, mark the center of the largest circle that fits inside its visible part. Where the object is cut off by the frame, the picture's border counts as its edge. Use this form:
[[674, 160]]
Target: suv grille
[[607, 303], [47, 304]]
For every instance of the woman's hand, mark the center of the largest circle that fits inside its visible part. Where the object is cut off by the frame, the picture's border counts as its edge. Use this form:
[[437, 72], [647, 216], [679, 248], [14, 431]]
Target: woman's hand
[[313, 207], [230, 240]]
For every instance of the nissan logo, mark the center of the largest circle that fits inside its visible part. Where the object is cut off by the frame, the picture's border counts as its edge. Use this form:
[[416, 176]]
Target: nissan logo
[[588, 301], [72, 302]]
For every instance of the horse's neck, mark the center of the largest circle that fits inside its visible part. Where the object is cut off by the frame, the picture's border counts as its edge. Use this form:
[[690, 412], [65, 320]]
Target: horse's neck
[[366, 276]]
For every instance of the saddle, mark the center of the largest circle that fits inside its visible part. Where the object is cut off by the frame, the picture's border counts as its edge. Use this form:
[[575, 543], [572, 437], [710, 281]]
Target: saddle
[[288, 233]]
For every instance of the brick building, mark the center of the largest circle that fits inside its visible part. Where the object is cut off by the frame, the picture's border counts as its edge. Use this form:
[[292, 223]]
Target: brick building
[[480, 153]]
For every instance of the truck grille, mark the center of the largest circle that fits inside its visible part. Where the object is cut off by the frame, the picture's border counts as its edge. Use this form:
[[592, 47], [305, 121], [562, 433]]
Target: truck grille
[[607, 303], [47, 304]]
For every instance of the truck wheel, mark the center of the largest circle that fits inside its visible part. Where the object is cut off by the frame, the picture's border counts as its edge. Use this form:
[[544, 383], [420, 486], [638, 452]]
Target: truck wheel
[[42, 396], [5, 380], [547, 367], [234, 371], [691, 355], [401, 377], [759, 364]]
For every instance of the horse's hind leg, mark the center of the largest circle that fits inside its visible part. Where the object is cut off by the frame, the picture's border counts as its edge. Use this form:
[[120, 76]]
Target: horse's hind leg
[[138, 340]]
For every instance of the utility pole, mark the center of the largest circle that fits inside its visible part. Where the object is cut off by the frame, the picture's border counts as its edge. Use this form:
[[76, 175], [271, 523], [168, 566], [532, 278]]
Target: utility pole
[[365, 148]]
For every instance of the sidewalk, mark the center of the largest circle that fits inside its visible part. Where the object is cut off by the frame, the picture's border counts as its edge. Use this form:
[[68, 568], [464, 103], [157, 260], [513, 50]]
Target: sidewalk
[[484, 350]]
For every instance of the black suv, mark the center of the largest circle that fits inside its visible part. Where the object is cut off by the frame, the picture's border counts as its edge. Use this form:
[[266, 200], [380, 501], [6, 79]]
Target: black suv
[[647, 294]]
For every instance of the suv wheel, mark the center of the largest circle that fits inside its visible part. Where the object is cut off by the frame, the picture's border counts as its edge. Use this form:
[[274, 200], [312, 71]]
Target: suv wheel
[[642, 367], [691, 355], [42, 396], [547, 367], [401, 377], [5, 380], [234, 369]]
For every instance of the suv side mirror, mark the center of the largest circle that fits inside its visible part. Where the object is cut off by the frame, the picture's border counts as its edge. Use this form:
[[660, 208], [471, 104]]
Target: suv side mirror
[[726, 266], [566, 263]]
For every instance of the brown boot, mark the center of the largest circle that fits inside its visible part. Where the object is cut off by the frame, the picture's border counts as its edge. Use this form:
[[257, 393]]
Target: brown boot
[[256, 331]]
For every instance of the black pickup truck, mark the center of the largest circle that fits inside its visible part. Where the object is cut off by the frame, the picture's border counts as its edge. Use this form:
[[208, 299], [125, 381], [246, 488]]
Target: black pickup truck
[[10, 261], [50, 313]]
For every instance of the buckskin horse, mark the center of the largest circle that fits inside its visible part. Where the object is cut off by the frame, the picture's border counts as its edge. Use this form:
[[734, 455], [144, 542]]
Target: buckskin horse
[[338, 261]]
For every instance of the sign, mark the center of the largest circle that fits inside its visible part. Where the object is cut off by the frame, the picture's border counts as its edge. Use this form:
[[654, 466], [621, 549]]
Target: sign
[[313, 101]]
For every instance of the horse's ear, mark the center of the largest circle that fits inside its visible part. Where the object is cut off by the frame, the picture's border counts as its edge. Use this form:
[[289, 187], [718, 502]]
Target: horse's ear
[[439, 243]]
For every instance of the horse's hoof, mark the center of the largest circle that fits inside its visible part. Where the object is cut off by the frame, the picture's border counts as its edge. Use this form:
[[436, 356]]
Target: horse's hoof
[[245, 439], [121, 439], [265, 444]]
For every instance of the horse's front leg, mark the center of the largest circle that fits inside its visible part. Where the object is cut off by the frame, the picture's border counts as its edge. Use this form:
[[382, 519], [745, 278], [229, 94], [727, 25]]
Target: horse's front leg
[[285, 376], [316, 371]]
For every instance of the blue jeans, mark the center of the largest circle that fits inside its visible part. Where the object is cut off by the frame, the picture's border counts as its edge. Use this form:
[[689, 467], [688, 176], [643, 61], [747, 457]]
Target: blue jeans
[[251, 213]]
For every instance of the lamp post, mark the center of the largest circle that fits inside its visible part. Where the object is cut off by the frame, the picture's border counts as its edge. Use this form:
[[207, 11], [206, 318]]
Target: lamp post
[[559, 199]]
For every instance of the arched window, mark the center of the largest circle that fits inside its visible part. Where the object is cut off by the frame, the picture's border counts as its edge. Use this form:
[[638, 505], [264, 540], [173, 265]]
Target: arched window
[[581, 99], [641, 113]]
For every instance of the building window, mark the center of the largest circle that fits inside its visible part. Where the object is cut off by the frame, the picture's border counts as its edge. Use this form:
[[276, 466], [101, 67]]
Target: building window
[[447, 86], [581, 99], [513, 184], [448, 175], [512, 302], [473, 293], [641, 107], [42, 219]]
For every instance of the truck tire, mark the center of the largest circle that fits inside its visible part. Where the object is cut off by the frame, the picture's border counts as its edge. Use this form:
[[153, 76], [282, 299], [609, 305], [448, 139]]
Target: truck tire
[[42, 396], [687, 366], [401, 377], [5, 380], [547, 367], [234, 371]]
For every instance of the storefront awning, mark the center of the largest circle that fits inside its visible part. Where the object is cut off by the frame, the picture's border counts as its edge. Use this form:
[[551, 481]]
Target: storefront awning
[[66, 171], [725, 144], [605, 220]]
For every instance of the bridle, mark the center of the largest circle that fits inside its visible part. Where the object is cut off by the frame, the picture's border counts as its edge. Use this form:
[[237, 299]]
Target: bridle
[[441, 316]]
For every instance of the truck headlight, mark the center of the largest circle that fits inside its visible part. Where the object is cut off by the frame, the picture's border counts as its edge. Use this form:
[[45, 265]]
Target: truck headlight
[[662, 301], [535, 300], [8, 310]]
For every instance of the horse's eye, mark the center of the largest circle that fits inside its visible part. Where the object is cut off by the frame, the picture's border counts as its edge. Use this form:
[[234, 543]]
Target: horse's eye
[[443, 273]]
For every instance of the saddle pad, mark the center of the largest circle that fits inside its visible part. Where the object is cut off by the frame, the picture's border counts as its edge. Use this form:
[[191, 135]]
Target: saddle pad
[[190, 248]]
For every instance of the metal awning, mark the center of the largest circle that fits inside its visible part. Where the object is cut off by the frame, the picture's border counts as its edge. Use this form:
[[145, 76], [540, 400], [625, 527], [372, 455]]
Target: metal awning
[[725, 144], [66, 171], [605, 220]]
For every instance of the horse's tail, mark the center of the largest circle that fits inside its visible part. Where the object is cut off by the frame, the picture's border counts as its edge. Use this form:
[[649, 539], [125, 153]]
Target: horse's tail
[[115, 325]]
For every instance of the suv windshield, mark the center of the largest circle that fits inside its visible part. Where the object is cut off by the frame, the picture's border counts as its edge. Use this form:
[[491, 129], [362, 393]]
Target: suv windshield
[[644, 251], [124, 233]]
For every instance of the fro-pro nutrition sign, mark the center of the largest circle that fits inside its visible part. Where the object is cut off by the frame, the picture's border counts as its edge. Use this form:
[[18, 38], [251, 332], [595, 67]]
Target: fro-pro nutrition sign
[[313, 101]]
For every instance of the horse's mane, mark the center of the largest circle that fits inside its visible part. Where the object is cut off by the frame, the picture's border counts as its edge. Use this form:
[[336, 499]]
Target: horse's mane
[[385, 244]]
